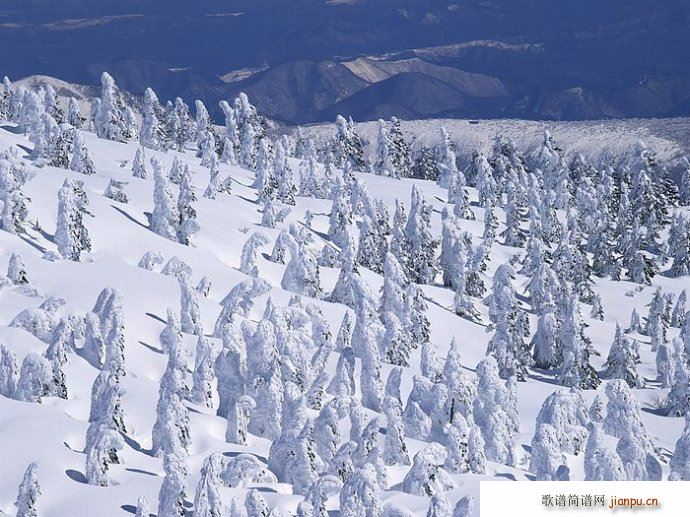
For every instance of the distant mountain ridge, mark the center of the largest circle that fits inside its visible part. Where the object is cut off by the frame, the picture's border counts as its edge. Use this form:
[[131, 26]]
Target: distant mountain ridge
[[305, 60]]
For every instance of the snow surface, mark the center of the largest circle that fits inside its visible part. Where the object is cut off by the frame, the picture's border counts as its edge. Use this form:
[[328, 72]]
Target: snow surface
[[53, 432]]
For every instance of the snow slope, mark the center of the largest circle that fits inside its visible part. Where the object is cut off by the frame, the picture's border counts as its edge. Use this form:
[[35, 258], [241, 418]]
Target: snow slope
[[52, 433]]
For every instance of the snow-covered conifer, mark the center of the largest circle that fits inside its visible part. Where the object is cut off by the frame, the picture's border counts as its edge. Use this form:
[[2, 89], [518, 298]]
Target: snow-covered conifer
[[343, 381], [680, 461], [239, 409], [170, 434], [29, 490], [207, 502], [139, 164], [340, 220], [395, 450], [36, 379], [422, 244], [439, 506], [623, 359], [623, 411], [506, 345], [9, 372], [190, 316], [116, 191], [109, 119], [457, 436], [204, 373], [152, 133], [678, 314], [346, 146], [187, 223], [74, 116], [283, 176], [545, 342], [383, 162], [302, 273], [547, 460], [81, 161], [255, 504], [492, 410], [359, 495], [171, 498], [142, 507], [71, 235], [327, 437], [427, 477], [102, 444], [635, 323], [14, 202], [576, 369], [632, 451], [165, 217], [485, 182], [429, 363], [250, 252], [16, 270]]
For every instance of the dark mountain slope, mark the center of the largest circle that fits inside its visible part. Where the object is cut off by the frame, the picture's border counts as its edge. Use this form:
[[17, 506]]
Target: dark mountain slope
[[552, 58]]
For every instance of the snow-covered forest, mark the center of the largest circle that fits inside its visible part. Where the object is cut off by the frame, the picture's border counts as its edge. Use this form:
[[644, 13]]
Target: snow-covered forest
[[209, 319]]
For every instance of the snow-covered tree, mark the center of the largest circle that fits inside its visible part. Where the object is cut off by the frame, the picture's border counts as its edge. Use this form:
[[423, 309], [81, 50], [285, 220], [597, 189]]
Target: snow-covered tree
[[165, 216], [283, 176], [190, 315], [623, 359], [680, 461], [139, 164], [171, 498], [383, 157], [547, 460], [204, 373], [302, 273], [170, 434], [74, 116], [29, 490], [427, 476], [346, 146], [116, 191], [250, 252], [494, 411], [110, 119], [71, 236], [632, 450], [14, 201], [9, 372], [395, 450], [102, 444], [187, 224], [238, 414], [359, 496], [422, 244], [506, 345], [81, 161], [142, 507], [576, 369], [623, 412], [152, 133], [16, 270], [601, 463], [678, 314], [565, 412], [207, 501]]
